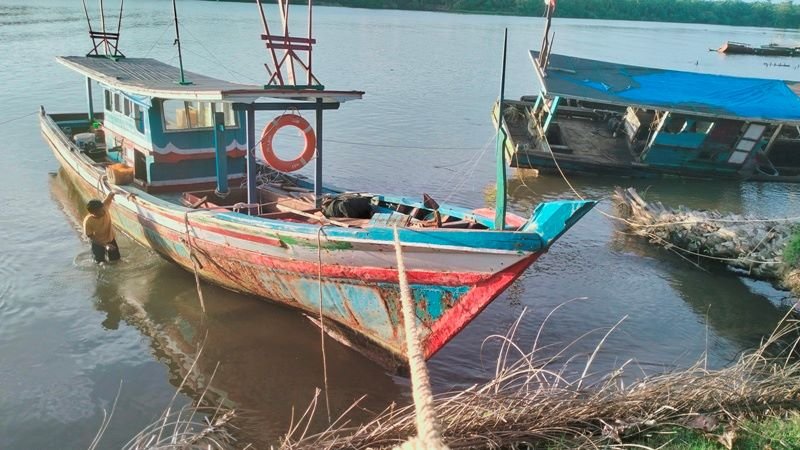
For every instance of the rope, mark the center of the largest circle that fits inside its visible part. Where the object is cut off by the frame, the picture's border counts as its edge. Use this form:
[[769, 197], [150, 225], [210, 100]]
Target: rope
[[429, 435], [321, 322], [18, 118], [194, 261]]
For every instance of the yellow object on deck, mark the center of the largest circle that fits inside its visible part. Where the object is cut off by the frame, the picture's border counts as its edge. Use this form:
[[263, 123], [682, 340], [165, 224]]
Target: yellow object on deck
[[119, 174]]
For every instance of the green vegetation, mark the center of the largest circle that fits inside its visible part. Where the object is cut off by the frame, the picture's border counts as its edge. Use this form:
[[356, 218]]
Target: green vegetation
[[791, 254], [772, 433], [783, 14]]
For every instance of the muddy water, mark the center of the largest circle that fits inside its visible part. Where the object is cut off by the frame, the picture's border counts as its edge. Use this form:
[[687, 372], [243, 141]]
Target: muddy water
[[71, 332]]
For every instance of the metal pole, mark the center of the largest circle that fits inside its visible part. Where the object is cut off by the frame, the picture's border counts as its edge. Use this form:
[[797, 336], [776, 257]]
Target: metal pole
[[103, 26], [252, 194], [310, 8], [500, 201], [318, 161], [89, 100], [178, 41], [220, 153]]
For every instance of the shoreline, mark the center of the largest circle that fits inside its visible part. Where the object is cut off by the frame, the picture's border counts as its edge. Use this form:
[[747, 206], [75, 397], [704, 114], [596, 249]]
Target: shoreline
[[774, 10]]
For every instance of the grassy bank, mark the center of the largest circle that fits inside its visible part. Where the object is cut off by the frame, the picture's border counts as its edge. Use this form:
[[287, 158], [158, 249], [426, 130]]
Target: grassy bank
[[770, 433]]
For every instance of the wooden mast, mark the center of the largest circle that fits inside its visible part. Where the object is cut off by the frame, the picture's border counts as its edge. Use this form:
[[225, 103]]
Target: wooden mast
[[547, 41], [500, 200], [183, 80]]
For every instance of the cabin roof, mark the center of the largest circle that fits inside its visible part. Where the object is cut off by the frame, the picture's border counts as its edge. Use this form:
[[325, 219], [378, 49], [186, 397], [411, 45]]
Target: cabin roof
[[153, 78], [682, 92]]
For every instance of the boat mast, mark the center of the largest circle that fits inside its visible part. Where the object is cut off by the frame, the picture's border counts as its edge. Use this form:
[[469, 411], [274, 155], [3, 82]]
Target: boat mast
[[500, 200], [547, 40], [178, 42], [109, 41]]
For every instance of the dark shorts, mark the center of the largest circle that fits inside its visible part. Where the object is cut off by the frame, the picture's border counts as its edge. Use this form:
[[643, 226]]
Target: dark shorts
[[99, 251]]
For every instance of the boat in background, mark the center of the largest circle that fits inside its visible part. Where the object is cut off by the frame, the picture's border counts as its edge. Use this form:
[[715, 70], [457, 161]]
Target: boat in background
[[600, 117], [739, 48], [181, 148]]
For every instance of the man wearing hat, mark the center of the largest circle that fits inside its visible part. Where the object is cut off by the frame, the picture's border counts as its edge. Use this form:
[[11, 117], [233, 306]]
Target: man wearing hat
[[98, 228]]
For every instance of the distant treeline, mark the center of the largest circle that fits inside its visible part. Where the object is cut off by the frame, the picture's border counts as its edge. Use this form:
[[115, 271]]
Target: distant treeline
[[724, 12]]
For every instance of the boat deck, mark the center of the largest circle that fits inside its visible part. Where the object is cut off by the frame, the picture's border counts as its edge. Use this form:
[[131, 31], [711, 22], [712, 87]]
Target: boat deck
[[574, 135]]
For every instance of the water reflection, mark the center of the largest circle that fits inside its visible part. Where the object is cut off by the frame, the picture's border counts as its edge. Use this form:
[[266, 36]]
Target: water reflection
[[261, 359]]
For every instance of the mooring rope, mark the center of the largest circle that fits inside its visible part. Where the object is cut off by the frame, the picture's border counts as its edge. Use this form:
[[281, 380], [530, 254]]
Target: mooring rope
[[19, 117], [322, 323], [193, 258], [429, 435]]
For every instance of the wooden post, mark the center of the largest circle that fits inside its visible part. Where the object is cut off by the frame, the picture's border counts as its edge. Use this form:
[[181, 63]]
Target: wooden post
[[318, 160], [219, 151], [90, 100], [252, 194], [551, 113], [500, 201]]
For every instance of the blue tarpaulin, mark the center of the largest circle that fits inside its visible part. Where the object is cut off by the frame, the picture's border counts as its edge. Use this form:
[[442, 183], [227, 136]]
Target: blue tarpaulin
[[687, 92]]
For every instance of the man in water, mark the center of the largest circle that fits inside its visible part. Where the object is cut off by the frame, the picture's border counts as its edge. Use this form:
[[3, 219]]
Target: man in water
[[98, 228]]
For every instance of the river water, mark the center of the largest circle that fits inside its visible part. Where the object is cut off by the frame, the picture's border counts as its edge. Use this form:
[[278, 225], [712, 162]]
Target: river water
[[71, 333]]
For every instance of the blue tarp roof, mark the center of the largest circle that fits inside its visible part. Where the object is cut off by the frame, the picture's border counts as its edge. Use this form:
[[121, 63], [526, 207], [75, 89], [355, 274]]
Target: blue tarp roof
[[687, 92]]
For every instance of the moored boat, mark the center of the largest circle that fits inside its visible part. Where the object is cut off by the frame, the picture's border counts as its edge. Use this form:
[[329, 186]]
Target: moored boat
[[600, 117], [180, 149], [739, 48]]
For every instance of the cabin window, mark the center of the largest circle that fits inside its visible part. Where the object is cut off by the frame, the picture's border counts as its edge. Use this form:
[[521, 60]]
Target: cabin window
[[127, 109], [109, 102], [185, 115], [138, 118], [230, 116], [117, 104]]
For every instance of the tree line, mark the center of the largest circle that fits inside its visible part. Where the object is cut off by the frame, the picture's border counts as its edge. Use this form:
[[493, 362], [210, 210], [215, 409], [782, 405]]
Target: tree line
[[763, 13]]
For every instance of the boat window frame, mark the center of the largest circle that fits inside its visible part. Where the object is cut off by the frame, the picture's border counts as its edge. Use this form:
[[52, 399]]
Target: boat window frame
[[236, 125], [138, 117]]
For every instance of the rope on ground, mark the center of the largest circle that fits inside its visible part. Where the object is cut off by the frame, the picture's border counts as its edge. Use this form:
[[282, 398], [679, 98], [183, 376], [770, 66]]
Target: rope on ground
[[321, 322], [429, 435]]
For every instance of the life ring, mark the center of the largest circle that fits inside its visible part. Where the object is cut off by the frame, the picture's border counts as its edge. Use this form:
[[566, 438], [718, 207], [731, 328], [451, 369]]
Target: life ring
[[268, 135]]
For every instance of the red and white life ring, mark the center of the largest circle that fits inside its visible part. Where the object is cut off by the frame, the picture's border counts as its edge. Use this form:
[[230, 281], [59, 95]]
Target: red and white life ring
[[310, 146]]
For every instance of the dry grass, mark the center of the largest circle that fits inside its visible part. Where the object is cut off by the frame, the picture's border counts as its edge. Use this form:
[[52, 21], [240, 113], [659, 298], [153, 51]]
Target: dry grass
[[530, 400]]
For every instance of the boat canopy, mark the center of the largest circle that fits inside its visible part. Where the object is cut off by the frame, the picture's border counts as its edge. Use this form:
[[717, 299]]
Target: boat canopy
[[691, 93], [152, 78]]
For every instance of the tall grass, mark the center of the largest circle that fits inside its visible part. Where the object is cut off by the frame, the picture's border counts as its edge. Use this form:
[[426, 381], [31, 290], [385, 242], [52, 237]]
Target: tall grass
[[532, 401]]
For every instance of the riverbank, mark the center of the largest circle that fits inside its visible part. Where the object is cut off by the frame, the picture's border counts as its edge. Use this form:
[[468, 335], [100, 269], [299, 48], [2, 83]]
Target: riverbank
[[554, 399], [767, 249], [712, 12]]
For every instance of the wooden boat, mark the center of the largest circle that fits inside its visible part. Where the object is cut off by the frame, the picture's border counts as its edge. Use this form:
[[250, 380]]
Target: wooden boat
[[199, 198], [739, 48], [600, 117]]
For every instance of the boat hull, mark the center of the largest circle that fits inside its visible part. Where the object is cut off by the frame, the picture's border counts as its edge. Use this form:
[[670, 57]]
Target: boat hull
[[453, 276]]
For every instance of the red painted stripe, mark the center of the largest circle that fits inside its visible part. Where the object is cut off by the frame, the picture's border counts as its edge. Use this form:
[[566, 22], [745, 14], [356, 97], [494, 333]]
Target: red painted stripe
[[470, 305], [175, 157], [363, 274]]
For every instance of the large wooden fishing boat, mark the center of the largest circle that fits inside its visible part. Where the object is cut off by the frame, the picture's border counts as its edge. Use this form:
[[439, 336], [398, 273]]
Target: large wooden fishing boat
[[197, 196], [600, 117]]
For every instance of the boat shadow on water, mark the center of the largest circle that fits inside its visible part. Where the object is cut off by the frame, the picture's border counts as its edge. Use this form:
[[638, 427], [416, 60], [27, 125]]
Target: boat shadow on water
[[261, 359]]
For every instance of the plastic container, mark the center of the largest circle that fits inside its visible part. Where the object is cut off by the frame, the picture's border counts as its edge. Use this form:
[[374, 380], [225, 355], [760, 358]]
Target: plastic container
[[119, 174]]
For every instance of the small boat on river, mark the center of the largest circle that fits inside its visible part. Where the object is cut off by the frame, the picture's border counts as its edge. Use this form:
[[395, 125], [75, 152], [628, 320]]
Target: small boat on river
[[179, 148], [738, 48], [600, 117]]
